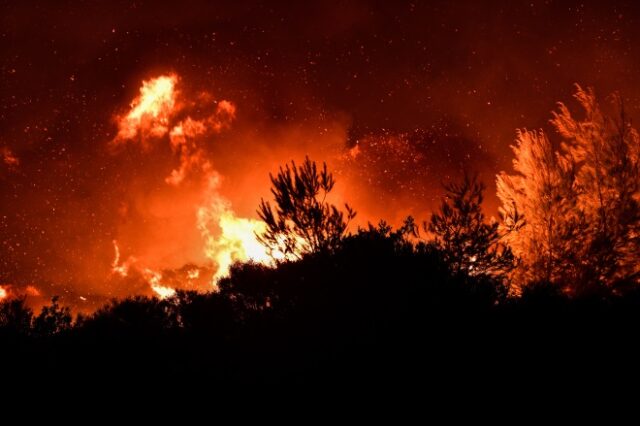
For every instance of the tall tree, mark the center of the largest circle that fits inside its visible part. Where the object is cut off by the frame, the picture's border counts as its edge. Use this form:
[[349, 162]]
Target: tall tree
[[607, 149], [461, 233], [302, 220], [573, 215], [540, 220]]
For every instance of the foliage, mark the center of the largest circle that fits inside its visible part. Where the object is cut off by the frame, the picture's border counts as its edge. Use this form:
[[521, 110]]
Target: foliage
[[571, 215], [15, 316], [461, 233], [52, 319], [302, 221], [606, 149], [540, 221]]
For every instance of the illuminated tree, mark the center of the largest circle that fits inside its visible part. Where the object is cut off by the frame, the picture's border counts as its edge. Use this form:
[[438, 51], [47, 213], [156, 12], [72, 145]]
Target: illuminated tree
[[540, 221], [573, 216], [461, 233], [607, 150], [302, 221]]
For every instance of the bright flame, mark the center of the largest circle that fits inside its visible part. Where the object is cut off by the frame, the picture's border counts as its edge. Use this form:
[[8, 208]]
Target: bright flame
[[162, 291], [226, 237], [154, 278], [237, 243], [3, 294], [150, 111]]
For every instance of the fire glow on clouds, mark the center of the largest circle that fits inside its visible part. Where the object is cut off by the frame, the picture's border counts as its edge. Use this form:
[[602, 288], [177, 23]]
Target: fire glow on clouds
[[226, 238]]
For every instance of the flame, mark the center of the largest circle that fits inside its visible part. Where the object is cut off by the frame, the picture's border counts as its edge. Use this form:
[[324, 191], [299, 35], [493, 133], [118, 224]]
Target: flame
[[162, 291], [3, 293], [116, 266], [181, 138], [226, 238], [237, 242], [154, 278], [151, 110]]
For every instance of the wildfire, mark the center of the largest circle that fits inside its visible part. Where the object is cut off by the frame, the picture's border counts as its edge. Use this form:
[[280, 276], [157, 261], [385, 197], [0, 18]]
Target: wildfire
[[154, 278], [237, 242], [3, 294], [158, 112], [151, 110]]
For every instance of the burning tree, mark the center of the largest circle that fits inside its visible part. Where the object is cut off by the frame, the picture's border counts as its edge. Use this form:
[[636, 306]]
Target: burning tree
[[468, 242], [540, 219], [302, 221], [572, 215], [607, 150]]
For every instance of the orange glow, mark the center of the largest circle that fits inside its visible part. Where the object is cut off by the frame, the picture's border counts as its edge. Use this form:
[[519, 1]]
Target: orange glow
[[227, 238], [155, 281], [8, 157], [178, 221], [151, 110], [31, 290], [121, 269], [162, 291], [3, 293], [236, 242]]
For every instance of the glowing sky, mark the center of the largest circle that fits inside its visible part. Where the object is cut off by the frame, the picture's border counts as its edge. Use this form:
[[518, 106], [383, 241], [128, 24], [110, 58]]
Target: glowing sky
[[396, 96]]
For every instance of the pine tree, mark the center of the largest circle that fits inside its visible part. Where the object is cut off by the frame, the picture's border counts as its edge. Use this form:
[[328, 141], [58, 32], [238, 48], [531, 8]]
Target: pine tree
[[461, 233], [607, 149], [540, 221], [303, 221]]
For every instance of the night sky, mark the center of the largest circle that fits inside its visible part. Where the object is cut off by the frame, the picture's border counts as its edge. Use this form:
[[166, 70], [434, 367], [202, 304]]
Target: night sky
[[397, 98]]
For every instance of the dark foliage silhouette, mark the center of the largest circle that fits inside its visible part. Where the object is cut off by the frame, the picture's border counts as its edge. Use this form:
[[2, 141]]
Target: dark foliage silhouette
[[53, 319], [374, 312], [303, 221], [462, 234], [15, 316]]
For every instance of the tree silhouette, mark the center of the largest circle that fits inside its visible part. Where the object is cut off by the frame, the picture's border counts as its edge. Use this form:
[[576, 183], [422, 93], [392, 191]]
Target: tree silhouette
[[15, 316], [467, 241], [53, 319], [302, 221]]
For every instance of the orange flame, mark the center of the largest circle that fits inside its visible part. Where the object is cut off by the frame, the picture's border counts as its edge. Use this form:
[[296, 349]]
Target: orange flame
[[3, 293], [154, 278], [226, 237], [151, 110], [121, 269]]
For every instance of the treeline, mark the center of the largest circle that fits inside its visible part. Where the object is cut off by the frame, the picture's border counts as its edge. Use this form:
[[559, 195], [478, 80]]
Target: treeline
[[457, 296]]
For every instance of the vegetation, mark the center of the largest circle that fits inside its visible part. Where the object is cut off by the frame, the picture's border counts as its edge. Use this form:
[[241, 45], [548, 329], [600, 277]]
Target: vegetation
[[378, 307], [303, 221]]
